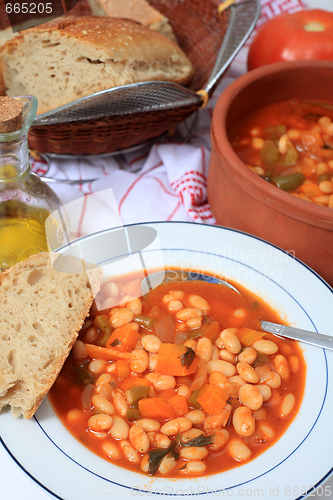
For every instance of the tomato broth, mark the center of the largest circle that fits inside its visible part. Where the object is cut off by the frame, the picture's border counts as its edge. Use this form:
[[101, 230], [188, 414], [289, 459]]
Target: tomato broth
[[290, 144], [180, 383]]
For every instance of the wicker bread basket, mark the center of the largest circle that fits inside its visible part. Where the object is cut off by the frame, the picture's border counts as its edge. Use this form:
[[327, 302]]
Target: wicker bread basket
[[201, 31]]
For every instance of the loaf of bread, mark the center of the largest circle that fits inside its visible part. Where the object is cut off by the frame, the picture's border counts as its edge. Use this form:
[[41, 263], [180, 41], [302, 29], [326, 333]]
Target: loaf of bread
[[69, 58], [43, 307], [5, 35], [137, 10]]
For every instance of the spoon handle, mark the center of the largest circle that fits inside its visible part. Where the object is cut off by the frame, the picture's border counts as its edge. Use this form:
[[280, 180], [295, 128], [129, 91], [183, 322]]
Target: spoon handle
[[313, 338]]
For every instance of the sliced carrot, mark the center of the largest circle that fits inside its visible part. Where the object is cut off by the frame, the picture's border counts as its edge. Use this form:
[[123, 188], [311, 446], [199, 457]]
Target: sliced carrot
[[212, 398], [311, 189], [166, 394], [123, 339], [133, 381], [122, 369], [178, 404], [106, 353], [170, 358], [247, 335], [155, 408]]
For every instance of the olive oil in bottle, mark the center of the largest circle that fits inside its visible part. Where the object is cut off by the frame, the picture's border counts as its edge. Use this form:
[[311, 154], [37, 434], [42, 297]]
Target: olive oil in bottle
[[22, 232], [25, 201]]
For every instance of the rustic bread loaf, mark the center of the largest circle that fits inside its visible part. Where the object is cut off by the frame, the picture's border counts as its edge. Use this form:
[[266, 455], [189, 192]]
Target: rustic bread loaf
[[5, 35], [137, 10], [43, 307], [70, 58]]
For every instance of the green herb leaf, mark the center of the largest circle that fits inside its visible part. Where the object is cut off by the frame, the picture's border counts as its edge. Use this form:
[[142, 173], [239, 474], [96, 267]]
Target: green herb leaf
[[187, 358], [201, 440], [115, 342], [156, 456]]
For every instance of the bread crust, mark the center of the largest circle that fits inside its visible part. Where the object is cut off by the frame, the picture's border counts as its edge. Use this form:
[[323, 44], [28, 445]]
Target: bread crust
[[43, 310], [69, 58], [137, 10]]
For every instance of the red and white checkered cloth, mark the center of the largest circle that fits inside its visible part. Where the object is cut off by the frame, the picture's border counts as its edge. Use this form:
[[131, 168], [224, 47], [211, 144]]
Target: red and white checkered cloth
[[162, 182]]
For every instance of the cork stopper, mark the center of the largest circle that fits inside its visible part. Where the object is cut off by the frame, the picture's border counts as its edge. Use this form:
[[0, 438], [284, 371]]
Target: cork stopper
[[11, 118]]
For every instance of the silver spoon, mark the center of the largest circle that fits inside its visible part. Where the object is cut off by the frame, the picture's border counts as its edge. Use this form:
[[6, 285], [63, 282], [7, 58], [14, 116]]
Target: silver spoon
[[155, 279]]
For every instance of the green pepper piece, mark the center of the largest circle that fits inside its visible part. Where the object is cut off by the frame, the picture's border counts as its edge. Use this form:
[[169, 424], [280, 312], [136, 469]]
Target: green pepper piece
[[145, 321], [103, 340], [291, 156], [288, 182], [133, 414], [82, 376], [192, 400], [324, 177], [275, 131], [269, 153], [138, 392], [102, 323], [261, 359], [200, 332]]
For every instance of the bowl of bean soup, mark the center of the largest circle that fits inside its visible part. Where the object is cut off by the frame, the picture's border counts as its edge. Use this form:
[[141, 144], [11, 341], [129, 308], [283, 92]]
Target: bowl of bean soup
[[178, 389], [271, 167]]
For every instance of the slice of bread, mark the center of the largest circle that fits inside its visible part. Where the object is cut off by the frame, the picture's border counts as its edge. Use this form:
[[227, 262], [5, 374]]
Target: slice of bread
[[137, 10], [69, 58], [43, 307]]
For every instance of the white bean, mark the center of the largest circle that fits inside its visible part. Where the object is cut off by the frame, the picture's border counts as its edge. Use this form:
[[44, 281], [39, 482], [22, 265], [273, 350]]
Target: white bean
[[139, 439], [167, 465], [180, 424], [121, 317], [247, 372], [197, 417], [151, 343], [161, 382], [265, 346], [103, 404], [265, 391], [219, 439], [139, 361], [250, 396], [188, 313], [248, 355], [219, 365], [287, 405], [231, 341], [100, 422], [204, 349], [135, 306], [111, 450], [194, 453], [282, 366], [193, 467], [120, 428], [130, 453], [243, 421], [148, 424], [239, 450], [198, 302]]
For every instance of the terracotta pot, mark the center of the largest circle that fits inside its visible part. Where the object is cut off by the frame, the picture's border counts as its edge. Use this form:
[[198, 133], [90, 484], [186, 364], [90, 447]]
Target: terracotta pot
[[242, 200]]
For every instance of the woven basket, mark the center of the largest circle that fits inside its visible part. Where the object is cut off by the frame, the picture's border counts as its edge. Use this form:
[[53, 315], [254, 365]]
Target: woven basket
[[200, 31]]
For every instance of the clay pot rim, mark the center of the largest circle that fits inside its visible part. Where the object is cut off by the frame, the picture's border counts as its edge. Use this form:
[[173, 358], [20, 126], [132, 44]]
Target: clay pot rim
[[280, 200]]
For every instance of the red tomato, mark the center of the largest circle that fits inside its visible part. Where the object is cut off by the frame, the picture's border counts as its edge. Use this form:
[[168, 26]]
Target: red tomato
[[307, 34]]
